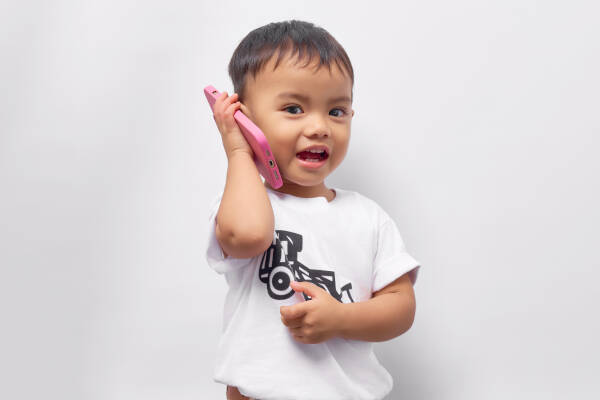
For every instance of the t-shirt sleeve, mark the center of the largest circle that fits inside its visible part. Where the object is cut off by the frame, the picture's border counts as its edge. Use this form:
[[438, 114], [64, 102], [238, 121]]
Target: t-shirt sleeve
[[214, 254], [391, 258]]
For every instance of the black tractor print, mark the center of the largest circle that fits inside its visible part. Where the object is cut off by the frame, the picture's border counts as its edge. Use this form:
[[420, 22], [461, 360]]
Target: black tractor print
[[279, 266]]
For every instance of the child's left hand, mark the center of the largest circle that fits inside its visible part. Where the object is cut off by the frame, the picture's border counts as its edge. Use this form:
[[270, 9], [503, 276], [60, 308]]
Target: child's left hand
[[313, 321]]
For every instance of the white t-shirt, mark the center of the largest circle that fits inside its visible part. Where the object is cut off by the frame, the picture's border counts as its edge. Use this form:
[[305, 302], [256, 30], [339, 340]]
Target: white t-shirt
[[349, 247]]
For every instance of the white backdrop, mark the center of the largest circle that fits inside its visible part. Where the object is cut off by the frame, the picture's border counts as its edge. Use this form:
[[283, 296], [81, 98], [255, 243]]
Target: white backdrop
[[476, 127]]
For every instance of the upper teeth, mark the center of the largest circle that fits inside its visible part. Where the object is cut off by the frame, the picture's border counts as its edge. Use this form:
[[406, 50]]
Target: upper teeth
[[316, 151]]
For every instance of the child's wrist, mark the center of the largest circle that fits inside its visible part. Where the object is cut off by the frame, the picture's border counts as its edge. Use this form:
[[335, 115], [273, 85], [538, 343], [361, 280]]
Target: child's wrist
[[342, 321], [239, 152]]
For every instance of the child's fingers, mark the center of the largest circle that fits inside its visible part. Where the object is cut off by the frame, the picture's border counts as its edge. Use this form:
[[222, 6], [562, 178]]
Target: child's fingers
[[232, 108], [293, 324], [229, 101], [225, 120], [220, 99], [227, 112], [223, 102], [225, 99], [228, 119]]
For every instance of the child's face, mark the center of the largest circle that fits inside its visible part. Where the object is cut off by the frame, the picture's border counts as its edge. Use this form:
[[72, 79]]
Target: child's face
[[292, 124]]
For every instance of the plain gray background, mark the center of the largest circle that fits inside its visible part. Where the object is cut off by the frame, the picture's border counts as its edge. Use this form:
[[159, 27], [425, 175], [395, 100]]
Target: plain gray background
[[476, 128]]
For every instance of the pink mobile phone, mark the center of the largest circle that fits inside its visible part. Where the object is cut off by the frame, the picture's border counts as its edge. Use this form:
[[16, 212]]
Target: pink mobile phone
[[263, 156]]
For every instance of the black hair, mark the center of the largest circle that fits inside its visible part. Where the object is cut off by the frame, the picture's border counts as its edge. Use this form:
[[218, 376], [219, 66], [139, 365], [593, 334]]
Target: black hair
[[285, 37]]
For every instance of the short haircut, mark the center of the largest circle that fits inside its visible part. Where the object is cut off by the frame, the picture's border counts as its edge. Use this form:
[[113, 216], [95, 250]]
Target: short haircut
[[287, 37]]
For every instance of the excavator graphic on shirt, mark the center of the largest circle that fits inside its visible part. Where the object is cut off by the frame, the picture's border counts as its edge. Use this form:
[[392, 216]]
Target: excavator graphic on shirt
[[279, 266]]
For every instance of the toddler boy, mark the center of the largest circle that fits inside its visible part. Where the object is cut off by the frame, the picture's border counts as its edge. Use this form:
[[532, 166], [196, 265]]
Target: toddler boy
[[315, 274]]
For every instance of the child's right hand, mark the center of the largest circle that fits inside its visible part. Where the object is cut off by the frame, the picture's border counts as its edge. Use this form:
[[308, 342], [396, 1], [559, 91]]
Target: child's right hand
[[233, 139]]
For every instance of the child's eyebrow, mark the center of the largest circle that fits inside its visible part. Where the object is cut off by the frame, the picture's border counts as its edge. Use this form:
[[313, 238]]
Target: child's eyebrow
[[305, 98]]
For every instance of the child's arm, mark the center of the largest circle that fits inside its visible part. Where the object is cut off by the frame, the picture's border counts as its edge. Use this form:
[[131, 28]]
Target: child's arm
[[245, 220], [388, 314]]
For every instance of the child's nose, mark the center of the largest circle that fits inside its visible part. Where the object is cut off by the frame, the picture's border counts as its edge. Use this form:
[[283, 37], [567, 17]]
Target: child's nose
[[318, 126]]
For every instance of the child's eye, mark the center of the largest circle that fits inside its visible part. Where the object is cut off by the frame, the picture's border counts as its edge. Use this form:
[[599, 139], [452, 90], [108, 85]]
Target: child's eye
[[293, 107], [342, 112]]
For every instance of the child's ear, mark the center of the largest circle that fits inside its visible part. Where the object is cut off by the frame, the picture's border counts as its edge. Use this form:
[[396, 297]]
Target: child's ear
[[353, 113]]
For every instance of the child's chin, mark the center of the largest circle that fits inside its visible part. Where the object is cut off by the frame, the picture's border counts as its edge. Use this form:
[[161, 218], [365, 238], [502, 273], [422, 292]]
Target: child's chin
[[307, 182]]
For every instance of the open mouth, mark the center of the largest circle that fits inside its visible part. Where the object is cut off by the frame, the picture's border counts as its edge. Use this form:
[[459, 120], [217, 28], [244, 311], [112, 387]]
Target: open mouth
[[312, 155]]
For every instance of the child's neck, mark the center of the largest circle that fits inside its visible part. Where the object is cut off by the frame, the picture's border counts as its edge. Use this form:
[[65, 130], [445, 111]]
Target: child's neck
[[305, 191]]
